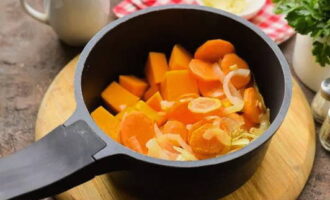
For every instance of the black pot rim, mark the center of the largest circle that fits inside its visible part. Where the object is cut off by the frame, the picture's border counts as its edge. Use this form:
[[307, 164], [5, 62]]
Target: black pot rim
[[120, 149]]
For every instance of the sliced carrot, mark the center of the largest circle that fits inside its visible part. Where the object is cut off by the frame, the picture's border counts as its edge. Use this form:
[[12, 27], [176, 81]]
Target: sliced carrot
[[156, 67], [235, 118], [133, 84], [180, 58], [214, 145], [180, 112], [203, 70], [136, 129], [107, 122], [154, 101], [151, 91], [253, 107], [117, 97], [204, 105], [178, 83], [232, 62], [213, 50], [248, 124], [211, 89], [176, 127]]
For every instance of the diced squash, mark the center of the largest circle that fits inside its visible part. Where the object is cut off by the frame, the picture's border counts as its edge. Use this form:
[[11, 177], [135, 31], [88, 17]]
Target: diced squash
[[148, 111], [232, 62], [117, 97], [156, 67], [178, 83], [136, 129], [211, 89], [107, 122], [154, 101], [176, 127], [151, 91], [203, 70], [213, 50], [180, 58], [133, 84]]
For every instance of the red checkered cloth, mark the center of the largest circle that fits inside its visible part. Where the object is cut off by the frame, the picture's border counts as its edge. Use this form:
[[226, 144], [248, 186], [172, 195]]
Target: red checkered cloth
[[275, 26]]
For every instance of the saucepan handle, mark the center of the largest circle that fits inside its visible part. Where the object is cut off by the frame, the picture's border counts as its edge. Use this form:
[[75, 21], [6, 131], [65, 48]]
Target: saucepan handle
[[57, 162]]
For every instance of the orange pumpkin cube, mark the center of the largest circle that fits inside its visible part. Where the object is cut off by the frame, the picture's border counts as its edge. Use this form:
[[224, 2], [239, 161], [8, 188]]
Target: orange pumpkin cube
[[156, 67], [133, 84], [151, 91], [107, 122], [180, 58], [154, 101], [149, 112], [178, 83], [117, 97]]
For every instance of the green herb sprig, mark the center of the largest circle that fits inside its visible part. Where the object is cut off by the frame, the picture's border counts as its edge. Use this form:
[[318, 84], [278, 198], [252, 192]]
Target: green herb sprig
[[310, 17]]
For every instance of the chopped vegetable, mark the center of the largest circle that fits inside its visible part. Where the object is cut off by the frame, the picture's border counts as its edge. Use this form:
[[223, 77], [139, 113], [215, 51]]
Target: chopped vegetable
[[176, 127], [133, 84], [231, 62], [211, 88], [107, 122], [214, 50], [136, 129], [151, 91], [154, 101], [117, 97], [199, 109], [204, 105], [203, 70], [253, 105], [156, 67], [178, 83], [180, 58], [209, 140]]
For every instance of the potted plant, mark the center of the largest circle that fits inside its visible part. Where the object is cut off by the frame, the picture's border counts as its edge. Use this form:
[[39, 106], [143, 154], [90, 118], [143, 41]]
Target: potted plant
[[311, 19]]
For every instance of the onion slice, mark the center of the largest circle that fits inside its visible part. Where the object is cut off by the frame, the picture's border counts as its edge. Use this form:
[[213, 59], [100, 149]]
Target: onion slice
[[231, 92]]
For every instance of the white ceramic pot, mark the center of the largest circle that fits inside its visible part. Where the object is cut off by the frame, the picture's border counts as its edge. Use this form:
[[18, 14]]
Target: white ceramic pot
[[305, 65]]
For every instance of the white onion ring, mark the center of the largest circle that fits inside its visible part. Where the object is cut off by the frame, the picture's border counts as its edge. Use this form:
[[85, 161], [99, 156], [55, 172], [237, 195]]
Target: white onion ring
[[231, 92]]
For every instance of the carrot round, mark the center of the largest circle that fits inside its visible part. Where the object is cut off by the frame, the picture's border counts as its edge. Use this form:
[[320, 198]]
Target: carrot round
[[203, 70], [232, 62], [253, 106], [213, 50], [136, 129], [211, 89], [214, 145], [176, 127], [180, 112], [204, 105]]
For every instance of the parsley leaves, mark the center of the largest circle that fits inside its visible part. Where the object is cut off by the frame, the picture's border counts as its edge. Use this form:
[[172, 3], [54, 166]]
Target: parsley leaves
[[310, 17]]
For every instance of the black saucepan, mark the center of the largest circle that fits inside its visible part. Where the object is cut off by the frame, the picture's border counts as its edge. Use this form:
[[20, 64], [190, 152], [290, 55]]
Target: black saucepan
[[78, 150]]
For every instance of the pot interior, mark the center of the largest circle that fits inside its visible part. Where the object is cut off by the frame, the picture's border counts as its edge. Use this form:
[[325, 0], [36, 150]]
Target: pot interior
[[124, 50]]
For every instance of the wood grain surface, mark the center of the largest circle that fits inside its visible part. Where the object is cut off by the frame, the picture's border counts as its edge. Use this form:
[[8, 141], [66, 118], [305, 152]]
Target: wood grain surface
[[282, 174]]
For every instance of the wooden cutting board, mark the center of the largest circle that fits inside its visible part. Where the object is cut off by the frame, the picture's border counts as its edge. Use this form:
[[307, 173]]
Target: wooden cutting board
[[282, 174]]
